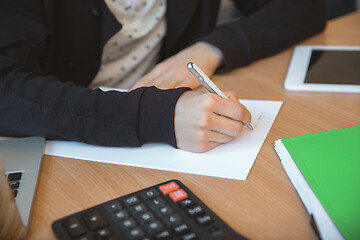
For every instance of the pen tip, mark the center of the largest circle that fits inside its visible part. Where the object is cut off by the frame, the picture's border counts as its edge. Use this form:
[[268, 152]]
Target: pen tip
[[250, 127]]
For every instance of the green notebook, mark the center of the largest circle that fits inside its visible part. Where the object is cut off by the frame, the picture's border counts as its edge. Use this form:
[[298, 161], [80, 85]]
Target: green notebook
[[325, 170]]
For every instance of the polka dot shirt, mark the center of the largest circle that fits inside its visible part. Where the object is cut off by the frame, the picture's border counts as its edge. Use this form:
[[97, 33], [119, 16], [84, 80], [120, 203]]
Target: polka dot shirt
[[134, 50]]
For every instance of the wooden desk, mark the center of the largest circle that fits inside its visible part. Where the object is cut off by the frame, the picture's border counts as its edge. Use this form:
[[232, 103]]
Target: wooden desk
[[266, 205]]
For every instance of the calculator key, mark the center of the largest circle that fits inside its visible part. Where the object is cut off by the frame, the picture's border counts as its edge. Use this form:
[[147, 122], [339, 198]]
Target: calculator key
[[165, 210], [73, 226], [86, 237], [156, 203], [164, 235], [189, 236], [195, 211], [113, 206], [132, 200], [103, 233], [138, 209], [151, 193], [147, 217], [120, 215], [94, 220], [15, 176], [128, 224], [204, 220], [172, 220], [215, 231], [181, 229], [15, 193], [136, 233], [178, 195], [169, 187], [186, 203], [14, 185], [153, 227]]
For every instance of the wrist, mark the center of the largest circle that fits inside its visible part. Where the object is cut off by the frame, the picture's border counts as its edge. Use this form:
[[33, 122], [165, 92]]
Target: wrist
[[215, 57]]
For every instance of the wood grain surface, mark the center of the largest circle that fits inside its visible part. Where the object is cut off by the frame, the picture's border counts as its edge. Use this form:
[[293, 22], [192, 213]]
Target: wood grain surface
[[266, 205]]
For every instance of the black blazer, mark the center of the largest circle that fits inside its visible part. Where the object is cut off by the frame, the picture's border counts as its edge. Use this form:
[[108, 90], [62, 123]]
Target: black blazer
[[51, 50]]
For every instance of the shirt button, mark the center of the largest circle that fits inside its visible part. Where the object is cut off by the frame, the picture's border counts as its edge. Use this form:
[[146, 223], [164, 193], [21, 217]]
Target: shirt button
[[95, 13]]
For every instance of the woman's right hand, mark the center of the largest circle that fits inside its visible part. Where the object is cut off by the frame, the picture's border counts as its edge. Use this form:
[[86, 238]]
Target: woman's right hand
[[203, 121]]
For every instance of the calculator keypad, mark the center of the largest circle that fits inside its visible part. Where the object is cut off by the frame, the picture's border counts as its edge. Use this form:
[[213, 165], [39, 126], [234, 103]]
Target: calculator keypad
[[165, 211]]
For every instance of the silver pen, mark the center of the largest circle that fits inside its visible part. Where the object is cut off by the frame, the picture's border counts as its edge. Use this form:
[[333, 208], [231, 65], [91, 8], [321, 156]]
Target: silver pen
[[207, 83]]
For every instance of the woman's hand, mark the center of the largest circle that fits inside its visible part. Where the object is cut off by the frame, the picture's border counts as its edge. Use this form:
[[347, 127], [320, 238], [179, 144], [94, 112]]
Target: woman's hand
[[173, 73], [203, 121]]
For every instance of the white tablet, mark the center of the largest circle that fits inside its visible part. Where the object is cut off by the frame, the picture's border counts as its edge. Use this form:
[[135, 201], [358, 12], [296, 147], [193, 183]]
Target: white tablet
[[324, 69]]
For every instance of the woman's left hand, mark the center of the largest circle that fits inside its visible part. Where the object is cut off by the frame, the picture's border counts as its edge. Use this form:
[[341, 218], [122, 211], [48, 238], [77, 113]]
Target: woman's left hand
[[173, 72]]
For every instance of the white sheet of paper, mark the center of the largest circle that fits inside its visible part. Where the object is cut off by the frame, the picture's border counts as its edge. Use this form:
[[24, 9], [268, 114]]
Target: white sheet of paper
[[231, 160]]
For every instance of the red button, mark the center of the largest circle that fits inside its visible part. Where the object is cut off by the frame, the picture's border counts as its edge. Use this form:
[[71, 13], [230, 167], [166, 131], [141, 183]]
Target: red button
[[178, 195], [169, 187]]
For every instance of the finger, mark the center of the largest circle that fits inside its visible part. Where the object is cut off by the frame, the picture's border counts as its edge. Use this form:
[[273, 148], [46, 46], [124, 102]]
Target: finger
[[155, 82], [207, 146], [225, 126], [163, 82], [212, 140], [211, 145], [218, 137], [232, 110], [189, 83], [202, 142], [140, 83], [147, 79], [176, 77], [168, 81]]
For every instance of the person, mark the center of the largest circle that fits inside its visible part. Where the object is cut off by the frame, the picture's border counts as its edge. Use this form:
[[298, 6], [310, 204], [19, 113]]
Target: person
[[55, 54]]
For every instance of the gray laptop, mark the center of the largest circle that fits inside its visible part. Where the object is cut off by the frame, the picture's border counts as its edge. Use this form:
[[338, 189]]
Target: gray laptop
[[21, 159]]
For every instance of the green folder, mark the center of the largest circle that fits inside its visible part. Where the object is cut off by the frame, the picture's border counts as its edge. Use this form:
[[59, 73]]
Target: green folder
[[330, 163]]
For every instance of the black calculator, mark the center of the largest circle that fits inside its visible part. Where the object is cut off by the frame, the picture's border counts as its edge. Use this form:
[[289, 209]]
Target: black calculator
[[164, 211]]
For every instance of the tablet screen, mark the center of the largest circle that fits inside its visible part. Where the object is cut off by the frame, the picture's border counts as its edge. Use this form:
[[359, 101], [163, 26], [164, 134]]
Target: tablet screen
[[334, 67]]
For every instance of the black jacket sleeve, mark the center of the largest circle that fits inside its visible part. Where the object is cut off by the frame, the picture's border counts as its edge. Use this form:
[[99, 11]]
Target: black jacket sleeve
[[33, 102], [268, 26]]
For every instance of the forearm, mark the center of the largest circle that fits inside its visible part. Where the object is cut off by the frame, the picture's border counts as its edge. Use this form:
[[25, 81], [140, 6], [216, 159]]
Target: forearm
[[32, 104], [267, 29]]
